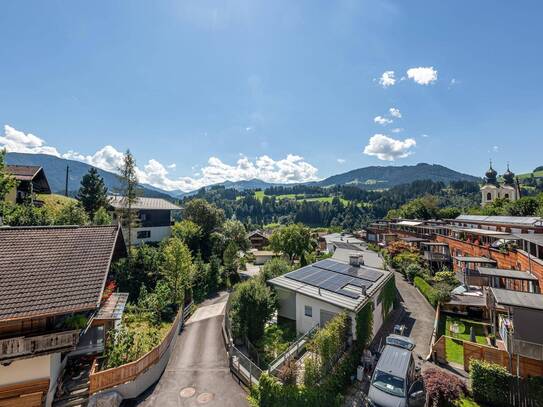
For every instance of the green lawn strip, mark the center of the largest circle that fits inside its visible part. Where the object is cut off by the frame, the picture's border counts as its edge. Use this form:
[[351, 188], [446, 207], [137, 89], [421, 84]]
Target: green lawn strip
[[454, 349], [467, 402]]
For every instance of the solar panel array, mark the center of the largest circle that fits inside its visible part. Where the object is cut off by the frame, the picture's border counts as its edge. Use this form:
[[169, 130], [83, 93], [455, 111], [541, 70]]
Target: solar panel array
[[334, 276]]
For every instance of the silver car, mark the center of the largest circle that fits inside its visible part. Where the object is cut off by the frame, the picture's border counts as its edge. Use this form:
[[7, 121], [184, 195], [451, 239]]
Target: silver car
[[395, 381]]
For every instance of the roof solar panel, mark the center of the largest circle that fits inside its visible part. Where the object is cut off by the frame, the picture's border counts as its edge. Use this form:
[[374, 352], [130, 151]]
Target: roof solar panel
[[335, 276]]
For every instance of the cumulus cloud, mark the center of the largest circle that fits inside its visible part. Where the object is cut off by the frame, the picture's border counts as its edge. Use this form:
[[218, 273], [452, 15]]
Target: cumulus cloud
[[387, 148], [383, 121], [291, 169], [341, 160], [17, 141], [422, 75], [396, 130], [387, 79], [394, 112]]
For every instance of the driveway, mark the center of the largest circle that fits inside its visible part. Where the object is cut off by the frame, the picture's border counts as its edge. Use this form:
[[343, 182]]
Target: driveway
[[198, 373], [418, 317]]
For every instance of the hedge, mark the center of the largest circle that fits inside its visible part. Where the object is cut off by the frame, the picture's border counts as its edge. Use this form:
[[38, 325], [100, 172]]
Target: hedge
[[427, 290], [489, 382]]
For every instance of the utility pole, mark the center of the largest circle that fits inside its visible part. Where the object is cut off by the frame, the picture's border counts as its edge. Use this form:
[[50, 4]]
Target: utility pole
[[67, 173]]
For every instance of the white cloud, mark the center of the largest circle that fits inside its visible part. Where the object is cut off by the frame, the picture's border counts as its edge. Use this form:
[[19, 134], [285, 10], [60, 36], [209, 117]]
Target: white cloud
[[422, 75], [341, 160], [293, 168], [397, 130], [387, 148], [383, 121], [17, 141], [425, 135], [394, 112], [495, 148], [387, 79]]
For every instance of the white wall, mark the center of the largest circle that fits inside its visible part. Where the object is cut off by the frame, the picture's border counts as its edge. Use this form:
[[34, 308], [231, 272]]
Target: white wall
[[304, 323], [158, 233]]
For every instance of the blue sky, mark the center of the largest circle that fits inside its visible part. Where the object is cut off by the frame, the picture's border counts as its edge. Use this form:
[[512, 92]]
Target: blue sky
[[281, 90]]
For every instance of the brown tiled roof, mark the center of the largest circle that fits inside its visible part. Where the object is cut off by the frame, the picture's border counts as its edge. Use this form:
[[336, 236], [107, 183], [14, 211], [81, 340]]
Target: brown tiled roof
[[54, 270], [23, 172]]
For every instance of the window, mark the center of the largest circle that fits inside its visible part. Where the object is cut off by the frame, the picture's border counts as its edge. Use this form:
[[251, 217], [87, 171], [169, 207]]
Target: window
[[308, 311], [143, 217], [489, 196], [506, 196], [144, 234]]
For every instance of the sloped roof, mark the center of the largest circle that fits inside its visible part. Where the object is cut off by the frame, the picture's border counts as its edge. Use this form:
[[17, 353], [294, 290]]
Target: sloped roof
[[143, 203], [23, 172], [54, 270], [518, 299]]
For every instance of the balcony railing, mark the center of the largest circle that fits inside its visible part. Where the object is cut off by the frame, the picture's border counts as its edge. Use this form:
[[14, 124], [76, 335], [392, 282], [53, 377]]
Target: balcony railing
[[22, 346]]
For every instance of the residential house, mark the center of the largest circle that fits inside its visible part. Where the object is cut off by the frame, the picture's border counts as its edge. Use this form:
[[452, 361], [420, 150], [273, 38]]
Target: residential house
[[31, 180], [154, 218], [259, 239], [516, 319], [56, 302], [314, 294]]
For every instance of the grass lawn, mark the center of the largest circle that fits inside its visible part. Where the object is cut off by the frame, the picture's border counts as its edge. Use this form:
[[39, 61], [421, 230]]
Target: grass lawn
[[466, 402], [454, 349]]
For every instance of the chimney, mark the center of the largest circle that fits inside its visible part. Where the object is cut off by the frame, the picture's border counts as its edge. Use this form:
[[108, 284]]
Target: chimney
[[354, 260], [363, 290], [360, 260]]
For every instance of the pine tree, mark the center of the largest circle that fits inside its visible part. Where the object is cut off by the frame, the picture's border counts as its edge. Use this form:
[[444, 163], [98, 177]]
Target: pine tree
[[129, 193], [93, 192]]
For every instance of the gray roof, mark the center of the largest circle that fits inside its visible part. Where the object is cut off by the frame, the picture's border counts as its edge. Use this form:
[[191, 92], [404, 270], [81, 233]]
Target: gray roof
[[325, 281], [510, 220], [346, 245], [533, 238], [118, 202], [474, 259], [394, 360], [518, 299], [515, 274]]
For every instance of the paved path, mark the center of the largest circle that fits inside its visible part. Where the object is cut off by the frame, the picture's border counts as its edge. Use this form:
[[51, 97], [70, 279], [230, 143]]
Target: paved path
[[197, 373], [419, 315]]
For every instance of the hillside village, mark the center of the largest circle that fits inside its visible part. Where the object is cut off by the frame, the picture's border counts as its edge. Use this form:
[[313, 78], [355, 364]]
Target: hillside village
[[115, 298]]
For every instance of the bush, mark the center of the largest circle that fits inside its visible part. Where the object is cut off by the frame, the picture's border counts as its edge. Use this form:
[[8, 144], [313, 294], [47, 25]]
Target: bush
[[289, 372], [427, 290], [489, 383], [446, 276], [442, 388], [413, 270], [253, 304], [274, 268]]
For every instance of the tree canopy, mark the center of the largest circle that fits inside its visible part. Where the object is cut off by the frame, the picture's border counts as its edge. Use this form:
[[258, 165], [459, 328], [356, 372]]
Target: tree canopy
[[93, 192]]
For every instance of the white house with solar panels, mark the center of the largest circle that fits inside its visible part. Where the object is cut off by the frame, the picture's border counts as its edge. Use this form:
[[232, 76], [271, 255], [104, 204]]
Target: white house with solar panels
[[314, 294]]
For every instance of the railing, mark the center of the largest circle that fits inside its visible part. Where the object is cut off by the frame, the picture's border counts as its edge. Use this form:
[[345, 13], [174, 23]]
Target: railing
[[243, 367], [101, 380], [293, 350], [22, 346]]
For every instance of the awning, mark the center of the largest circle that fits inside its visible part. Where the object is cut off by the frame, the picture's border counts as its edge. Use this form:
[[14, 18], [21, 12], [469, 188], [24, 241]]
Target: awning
[[113, 308], [474, 259], [506, 273]]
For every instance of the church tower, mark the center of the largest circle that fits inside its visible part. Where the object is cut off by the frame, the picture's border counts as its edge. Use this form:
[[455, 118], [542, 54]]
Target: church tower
[[492, 189]]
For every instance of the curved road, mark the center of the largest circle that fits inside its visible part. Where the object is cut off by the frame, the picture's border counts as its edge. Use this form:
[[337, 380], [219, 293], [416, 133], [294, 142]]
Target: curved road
[[197, 373]]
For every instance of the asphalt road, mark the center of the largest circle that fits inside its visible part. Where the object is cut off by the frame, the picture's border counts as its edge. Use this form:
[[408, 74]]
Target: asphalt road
[[197, 373]]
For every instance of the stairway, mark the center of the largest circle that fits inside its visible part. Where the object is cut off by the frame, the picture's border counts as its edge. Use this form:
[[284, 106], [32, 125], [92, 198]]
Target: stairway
[[75, 389]]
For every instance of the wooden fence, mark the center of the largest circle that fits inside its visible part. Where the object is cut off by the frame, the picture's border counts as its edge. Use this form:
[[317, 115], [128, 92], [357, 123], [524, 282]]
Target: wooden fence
[[101, 380], [527, 366]]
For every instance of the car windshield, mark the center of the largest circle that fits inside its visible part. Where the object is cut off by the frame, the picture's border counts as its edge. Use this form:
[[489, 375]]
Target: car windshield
[[388, 383]]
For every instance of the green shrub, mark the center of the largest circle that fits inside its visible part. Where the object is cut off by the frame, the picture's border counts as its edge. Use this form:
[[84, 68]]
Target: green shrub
[[427, 290], [364, 326], [76, 321], [413, 270], [489, 383], [388, 295]]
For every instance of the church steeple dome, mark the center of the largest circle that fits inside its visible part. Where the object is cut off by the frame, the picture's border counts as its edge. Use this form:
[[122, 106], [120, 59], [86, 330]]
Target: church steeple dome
[[491, 175], [509, 176]]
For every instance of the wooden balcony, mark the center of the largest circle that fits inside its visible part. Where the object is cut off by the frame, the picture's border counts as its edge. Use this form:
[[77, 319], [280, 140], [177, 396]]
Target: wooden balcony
[[23, 346]]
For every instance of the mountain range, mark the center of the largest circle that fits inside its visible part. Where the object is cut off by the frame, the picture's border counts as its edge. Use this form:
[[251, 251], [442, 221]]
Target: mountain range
[[374, 177]]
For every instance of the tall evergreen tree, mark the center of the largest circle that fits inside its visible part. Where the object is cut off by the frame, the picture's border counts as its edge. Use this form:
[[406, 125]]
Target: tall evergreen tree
[[129, 193], [93, 192]]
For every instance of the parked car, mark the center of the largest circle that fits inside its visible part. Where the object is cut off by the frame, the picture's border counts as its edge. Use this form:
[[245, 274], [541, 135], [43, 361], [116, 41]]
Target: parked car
[[396, 381]]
